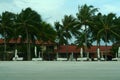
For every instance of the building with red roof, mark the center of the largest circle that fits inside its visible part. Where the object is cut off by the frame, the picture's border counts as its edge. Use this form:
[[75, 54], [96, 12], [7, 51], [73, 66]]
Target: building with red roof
[[47, 47], [51, 49], [66, 50], [76, 49]]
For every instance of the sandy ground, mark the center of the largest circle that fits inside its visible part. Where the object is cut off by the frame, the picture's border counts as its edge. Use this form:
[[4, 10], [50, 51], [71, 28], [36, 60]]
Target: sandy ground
[[59, 70]]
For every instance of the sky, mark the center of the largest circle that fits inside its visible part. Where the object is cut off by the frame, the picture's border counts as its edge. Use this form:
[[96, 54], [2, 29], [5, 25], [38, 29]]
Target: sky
[[54, 10]]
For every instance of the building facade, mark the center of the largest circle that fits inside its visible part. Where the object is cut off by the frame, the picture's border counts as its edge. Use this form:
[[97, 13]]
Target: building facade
[[50, 51]]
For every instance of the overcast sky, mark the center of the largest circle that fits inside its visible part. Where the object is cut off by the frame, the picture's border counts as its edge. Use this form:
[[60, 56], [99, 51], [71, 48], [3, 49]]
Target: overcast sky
[[54, 10]]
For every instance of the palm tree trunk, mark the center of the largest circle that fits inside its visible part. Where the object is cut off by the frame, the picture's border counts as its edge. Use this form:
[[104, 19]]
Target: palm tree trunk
[[106, 52], [42, 51], [67, 50], [4, 58], [86, 41], [15, 40], [58, 48], [28, 46], [98, 47], [29, 51]]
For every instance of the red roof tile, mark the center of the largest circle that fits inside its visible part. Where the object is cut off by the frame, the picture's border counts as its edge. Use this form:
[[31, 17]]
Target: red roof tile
[[1, 41], [102, 48], [75, 49], [69, 49], [15, 41], [39, 42]]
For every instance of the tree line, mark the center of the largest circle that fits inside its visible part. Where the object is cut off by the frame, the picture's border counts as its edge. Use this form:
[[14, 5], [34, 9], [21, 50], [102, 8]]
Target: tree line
[[28, 24], [88, 26]]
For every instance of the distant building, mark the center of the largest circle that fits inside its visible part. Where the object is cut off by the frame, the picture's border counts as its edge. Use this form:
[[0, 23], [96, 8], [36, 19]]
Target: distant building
[[67, 50], [49, 50], [45, 48]]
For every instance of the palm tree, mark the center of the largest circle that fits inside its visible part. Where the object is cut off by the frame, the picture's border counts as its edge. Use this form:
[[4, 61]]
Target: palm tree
[[27, 21], [117, 30], [115, 39], [85, 15], [60, 40], [59, 32], [68, 29], [15, 34], [95, 29], [5, 29], [80, 40], [108, 28], [46, 33]]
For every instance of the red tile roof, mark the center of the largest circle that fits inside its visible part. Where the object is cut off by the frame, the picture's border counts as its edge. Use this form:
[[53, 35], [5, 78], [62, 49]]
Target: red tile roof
[[69, 49], [75, 49], [12, 41], [1, 41], [102, 48]]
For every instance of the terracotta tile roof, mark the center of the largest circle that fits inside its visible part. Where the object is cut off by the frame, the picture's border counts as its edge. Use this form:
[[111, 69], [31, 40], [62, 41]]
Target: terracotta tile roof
[[49, 43], [1, 41], [11, 41], [102, 48], [70, 49], [75, 49], [14, 41], [26, 41], [39, 42]]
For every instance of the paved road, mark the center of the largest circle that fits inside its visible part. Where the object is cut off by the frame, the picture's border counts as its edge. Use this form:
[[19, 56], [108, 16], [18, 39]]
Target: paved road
[[59, 70]]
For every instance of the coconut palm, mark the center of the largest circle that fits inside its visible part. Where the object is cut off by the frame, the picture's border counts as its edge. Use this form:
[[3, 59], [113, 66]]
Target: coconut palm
[[46, 33], [5, 28], [68, 29], [27, 21], [15, 34], [60, 39], [85, 18], [115, 39], [117, 30], [95, 29], [80, 40], [108, 28]]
